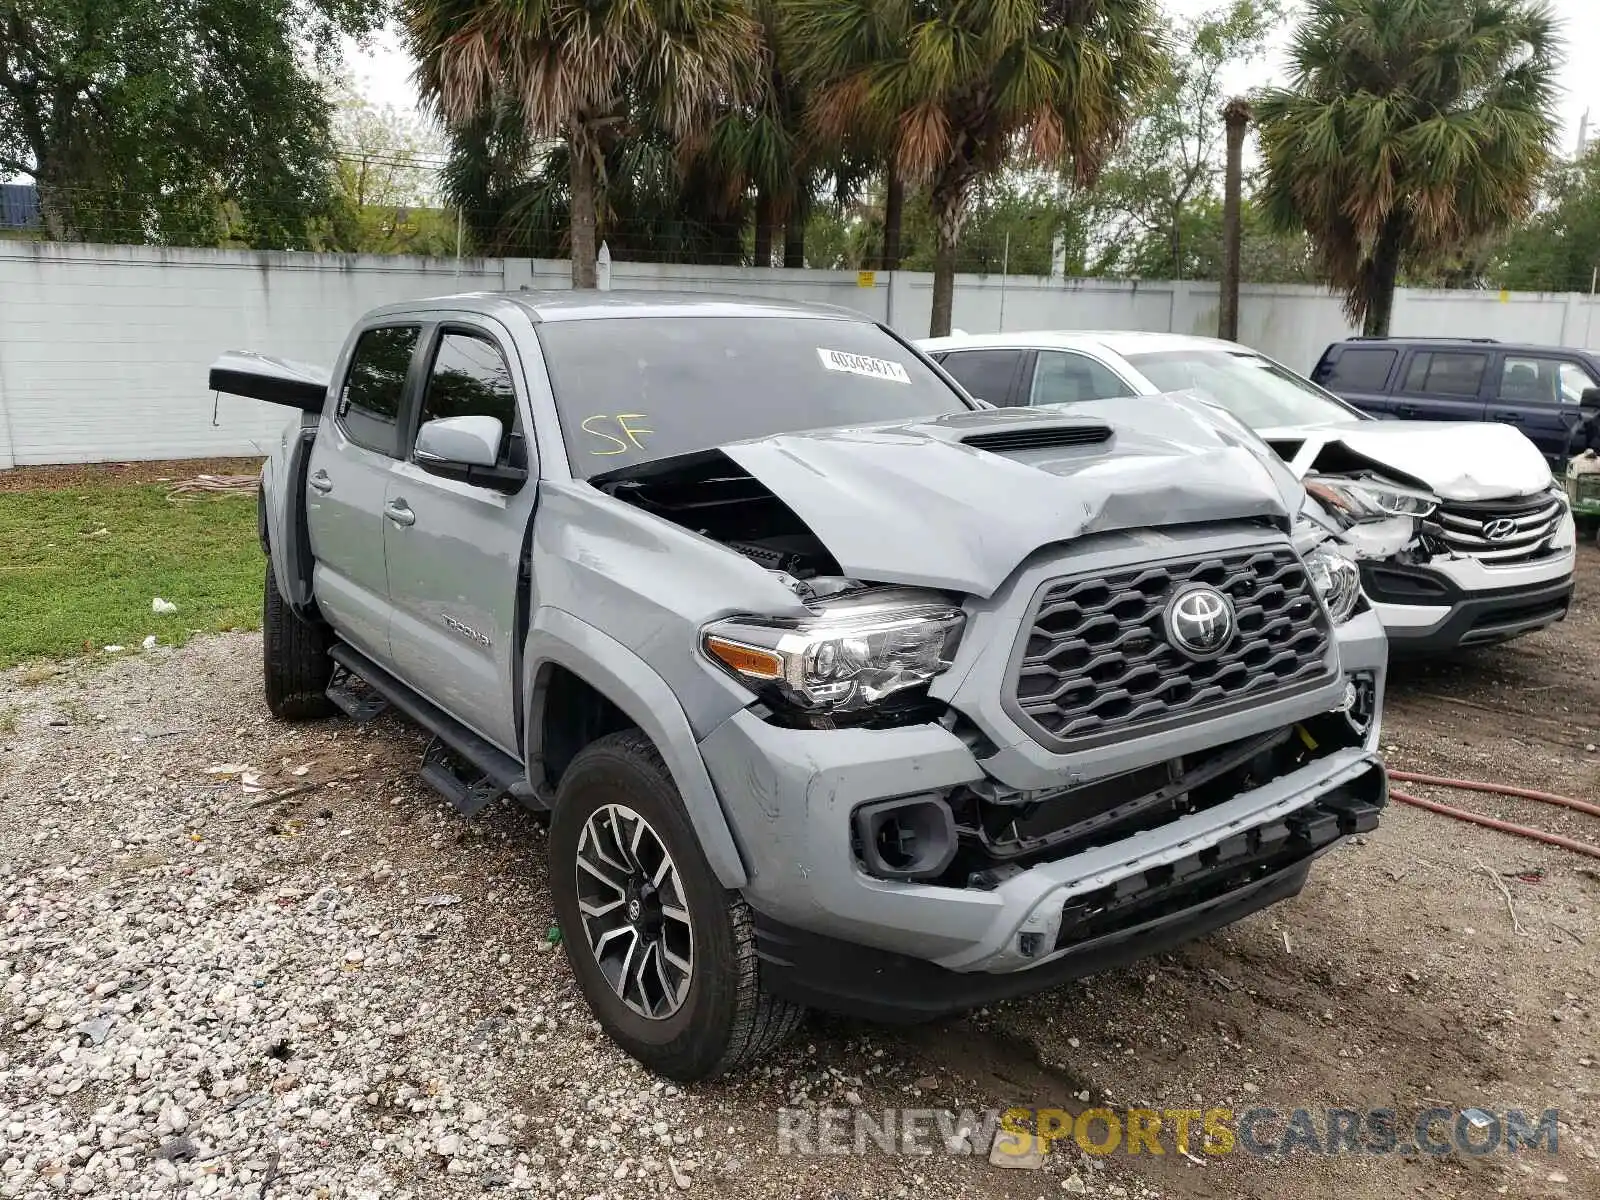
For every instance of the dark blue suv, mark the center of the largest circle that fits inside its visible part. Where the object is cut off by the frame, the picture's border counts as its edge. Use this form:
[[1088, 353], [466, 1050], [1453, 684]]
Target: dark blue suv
[[1540, 390]]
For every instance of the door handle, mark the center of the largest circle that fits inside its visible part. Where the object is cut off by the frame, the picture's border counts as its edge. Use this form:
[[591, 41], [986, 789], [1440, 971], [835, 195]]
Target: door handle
[[1405, 410], [320, 481], [1506, 414], [401, 514]]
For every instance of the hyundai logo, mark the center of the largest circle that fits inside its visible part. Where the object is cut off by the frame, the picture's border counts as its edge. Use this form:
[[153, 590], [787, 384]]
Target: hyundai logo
[[1499, 529], [1200, 621]]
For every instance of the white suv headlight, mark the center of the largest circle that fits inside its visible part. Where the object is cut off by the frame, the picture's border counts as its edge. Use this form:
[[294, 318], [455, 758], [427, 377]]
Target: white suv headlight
[[858, 649], [1337, 580], [1357, 500]]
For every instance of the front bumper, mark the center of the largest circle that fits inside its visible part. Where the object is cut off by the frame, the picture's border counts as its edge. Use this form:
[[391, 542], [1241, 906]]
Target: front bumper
[[1449, 604], [792, 794], [839, 976]]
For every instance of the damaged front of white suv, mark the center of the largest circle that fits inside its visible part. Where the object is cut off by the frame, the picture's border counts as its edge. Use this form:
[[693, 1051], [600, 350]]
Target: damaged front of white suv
[[1463, 537]]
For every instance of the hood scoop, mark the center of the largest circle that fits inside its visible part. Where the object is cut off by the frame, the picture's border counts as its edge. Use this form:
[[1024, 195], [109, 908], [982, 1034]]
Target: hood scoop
[[1009, 441]]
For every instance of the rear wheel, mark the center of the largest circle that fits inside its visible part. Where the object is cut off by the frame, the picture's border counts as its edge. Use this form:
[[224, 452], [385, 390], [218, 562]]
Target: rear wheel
[[296, 668], [664, 953]]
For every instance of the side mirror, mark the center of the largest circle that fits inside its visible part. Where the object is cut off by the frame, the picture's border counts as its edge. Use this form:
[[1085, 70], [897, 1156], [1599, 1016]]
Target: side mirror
[[467, 449], [1589, 400]]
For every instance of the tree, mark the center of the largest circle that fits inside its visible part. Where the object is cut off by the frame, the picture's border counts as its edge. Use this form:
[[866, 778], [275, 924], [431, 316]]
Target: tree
[[577, 70], [1411, 129], [960, 88], [1559, 248], [759, 146], [385, 192], [173, 121], [1171, 157], [659, 203]]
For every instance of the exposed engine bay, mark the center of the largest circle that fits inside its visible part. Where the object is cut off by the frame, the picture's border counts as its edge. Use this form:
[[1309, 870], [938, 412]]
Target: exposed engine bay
[[711, 495]]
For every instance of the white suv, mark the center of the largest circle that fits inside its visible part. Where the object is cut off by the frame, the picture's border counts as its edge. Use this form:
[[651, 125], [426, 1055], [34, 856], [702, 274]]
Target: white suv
[[1463, 536]]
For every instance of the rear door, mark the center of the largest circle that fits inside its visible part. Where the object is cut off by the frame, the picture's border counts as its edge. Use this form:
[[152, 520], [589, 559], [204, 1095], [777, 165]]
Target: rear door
[[1359, 374], [454, 549], [356, 451], [1443, 385], [1539, 394], [993, 374]]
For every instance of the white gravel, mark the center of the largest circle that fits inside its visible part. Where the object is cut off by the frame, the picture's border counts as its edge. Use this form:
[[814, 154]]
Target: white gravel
[[209, 991]]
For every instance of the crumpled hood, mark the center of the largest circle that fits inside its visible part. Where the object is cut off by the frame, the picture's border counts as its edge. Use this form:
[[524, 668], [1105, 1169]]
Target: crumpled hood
[[1456, 460], [911, 503]]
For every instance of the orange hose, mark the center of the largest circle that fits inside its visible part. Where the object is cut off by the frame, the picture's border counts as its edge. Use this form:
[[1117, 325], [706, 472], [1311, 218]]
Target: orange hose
[[1461, 814], [1495, 789]]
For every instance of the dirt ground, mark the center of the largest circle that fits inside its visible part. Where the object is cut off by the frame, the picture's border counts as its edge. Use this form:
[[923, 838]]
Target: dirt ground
[[164, 470], [1397, 980]]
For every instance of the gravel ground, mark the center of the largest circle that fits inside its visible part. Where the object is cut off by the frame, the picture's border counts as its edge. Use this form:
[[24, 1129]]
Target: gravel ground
[[245, 959]]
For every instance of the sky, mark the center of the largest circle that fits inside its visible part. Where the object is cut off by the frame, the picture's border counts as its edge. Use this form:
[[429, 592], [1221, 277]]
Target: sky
[[382, 71]]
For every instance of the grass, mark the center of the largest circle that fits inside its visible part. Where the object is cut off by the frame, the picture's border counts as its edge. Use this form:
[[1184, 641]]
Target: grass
[[68, 588]]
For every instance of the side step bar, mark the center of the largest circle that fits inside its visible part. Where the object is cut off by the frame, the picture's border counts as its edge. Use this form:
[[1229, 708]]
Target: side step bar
[[501, 774]]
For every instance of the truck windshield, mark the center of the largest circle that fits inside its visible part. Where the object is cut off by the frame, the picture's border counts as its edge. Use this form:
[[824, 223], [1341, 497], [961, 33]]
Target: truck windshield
[[1256, 390], [631, 390]]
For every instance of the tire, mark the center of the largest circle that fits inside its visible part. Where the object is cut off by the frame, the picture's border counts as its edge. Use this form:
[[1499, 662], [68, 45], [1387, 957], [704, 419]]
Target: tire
[[295, 665], [722, 1019]]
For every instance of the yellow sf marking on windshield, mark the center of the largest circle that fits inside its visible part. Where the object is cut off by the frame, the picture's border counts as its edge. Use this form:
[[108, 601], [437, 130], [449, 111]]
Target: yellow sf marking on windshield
[[631, 432]]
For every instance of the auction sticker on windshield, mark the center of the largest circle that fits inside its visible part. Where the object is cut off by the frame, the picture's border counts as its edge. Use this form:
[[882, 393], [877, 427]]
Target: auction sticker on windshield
[[863, 364]]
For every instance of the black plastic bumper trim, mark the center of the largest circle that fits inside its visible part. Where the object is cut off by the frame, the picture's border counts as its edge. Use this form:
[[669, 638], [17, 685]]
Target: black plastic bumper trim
[[1475, 618]]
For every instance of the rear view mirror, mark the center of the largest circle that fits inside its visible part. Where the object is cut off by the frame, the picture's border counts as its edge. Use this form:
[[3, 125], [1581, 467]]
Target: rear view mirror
[[468, 449]]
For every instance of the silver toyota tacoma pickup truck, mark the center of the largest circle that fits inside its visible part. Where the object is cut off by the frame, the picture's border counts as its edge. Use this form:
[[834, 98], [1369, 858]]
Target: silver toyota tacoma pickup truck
[[840, 690]]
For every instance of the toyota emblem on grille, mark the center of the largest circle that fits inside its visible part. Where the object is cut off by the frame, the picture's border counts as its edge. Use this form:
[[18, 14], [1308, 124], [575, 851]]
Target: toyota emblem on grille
[[1499, 529], [1200, 621]]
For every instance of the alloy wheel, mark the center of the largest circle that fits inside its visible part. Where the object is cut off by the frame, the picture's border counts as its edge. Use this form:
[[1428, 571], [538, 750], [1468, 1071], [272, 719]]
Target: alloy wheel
[[635, 920]]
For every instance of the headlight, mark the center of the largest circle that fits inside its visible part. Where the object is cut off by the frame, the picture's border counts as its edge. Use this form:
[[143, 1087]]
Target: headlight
[[857, 649], [1369, 499], [1337, 580]]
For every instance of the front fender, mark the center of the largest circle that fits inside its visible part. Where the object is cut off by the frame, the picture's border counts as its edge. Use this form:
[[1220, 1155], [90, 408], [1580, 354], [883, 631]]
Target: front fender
[[558, 638]]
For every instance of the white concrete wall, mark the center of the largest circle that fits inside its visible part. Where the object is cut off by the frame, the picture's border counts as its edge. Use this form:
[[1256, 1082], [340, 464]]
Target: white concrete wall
[[104, 349]]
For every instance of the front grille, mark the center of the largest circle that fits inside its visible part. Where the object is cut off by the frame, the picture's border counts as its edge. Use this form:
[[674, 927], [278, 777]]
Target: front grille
[[1096, 663], [1500, 531]]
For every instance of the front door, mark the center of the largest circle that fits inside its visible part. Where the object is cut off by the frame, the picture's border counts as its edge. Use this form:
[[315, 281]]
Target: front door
[[454, 549], [1539, 394], [357, 448]]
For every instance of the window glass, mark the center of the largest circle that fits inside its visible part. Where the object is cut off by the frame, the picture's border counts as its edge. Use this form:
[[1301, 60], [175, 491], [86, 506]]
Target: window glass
[[1359, 370], [369, 404], [1061, 378], [1256, 390], [986, 374], [470, 379], [1575, 380], [1530, 379], [1446, 373], [632, 390]]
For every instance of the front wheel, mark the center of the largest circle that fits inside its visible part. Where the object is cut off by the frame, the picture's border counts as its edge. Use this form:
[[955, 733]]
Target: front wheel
[[665, 955], [295, 666]]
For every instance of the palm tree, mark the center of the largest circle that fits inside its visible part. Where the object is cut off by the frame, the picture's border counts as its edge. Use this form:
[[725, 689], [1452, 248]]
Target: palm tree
[[759, 147], [576, 68], [1412, 128], [958, 88]]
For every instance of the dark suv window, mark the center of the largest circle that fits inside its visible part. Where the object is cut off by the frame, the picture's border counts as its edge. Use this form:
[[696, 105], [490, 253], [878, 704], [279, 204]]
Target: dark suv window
[[986, 374], [1446, 372], [1358, 371], [369, 403], [470, 379]]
